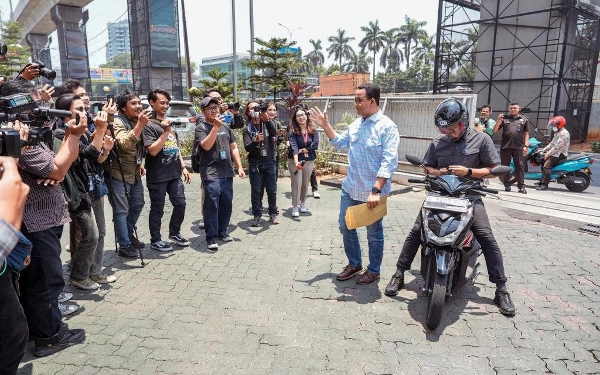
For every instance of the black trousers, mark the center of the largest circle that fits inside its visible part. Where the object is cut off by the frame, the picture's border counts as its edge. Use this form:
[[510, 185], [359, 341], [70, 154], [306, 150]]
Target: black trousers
[[547, 168], [518, 159], [483, 233], [13, 326]]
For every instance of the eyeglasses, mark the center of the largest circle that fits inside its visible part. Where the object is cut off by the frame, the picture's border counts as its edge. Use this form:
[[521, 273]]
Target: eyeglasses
[[212, 109], [358, 100]]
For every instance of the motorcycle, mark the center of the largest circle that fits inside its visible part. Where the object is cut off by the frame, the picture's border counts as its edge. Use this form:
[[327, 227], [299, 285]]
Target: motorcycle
[[573, 172], [449, 250]]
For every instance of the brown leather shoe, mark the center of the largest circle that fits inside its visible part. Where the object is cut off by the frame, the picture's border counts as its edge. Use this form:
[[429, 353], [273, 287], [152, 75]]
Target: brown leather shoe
[[348, 272], [367, 278]]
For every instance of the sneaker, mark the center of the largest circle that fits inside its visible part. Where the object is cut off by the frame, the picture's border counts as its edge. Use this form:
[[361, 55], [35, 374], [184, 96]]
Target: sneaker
[[64, 296], [225, 237], [506, 187], [70, 338], [67, 309], [128, 252], [542, 187], [395, 284], [295, 212], [85, 284], [161, 246], [137, 244], [103, 279], [180, 240], [273, 219], [303, 208], [522, 190], [505, 304], [213, 246], [201, 224], [255, 222], [316, 194]]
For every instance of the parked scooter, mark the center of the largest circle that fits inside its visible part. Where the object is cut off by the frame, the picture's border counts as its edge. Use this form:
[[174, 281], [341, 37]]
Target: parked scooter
[[574, 171], [449, 250]]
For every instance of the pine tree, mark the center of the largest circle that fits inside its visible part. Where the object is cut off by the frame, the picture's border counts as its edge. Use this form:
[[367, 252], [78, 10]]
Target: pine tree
[[17, 55]]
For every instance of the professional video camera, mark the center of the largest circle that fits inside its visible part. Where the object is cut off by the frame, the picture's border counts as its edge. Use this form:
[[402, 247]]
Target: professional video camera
[[23, 108]]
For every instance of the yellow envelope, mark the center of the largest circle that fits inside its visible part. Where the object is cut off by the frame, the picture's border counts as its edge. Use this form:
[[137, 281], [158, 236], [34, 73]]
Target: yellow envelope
[[360, 215]]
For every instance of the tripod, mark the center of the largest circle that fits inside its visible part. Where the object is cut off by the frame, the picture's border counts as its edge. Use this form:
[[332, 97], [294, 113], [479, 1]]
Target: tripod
[[114, 153]]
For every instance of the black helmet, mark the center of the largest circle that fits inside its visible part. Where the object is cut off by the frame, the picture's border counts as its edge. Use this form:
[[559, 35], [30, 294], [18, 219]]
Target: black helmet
[[451, 111]]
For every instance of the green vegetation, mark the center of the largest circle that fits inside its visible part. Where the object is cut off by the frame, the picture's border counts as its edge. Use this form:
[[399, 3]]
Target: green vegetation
[[17, 55], [595, 146]]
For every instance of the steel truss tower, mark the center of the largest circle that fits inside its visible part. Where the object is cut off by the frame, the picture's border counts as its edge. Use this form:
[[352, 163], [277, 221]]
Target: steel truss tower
[[542, 54]]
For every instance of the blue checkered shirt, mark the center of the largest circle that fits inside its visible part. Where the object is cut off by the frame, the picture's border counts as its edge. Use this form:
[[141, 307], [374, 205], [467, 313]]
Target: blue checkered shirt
[[372, 152], [9, 237]]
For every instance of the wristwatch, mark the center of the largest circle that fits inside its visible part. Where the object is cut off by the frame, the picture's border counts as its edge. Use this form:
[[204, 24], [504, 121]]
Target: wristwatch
[[374, 190], [469, 172]]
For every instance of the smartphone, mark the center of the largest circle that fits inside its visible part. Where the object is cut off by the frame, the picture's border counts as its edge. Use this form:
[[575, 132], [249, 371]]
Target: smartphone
[[77, 119], [110, 97]]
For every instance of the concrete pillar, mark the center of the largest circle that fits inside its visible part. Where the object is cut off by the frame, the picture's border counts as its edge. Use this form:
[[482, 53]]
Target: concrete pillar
[[72, 41], [39, 44]]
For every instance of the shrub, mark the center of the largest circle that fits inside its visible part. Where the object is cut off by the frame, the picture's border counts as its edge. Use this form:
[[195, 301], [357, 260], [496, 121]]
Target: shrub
[[595, 146]]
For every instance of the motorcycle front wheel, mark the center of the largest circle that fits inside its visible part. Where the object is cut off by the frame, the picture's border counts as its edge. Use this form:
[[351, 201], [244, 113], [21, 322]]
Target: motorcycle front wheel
[[435, 304], [579, 187]]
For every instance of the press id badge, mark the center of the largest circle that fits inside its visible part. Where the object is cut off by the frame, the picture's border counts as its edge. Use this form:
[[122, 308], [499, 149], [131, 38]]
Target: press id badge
[[223, 154]]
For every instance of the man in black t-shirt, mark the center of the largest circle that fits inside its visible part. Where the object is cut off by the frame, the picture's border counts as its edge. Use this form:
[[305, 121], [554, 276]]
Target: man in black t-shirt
[[515, 143], [218, 150], [164, 167]]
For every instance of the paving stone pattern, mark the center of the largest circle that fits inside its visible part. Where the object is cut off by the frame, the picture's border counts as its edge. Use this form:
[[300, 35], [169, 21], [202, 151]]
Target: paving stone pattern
[[269, 303]]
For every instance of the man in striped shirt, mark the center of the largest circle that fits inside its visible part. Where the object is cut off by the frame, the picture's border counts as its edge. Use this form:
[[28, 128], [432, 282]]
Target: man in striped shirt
[[372, 143]]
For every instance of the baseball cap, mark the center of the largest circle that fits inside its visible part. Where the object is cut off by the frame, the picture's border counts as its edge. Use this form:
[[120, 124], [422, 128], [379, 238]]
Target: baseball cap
[[206, 102]]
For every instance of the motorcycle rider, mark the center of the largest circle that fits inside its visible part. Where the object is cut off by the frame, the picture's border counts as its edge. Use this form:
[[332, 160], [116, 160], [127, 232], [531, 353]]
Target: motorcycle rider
[[462, 151], [556, 151]]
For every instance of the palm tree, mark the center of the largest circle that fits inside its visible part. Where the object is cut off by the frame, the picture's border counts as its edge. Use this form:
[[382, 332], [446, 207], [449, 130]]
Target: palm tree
[[411, 32], [426, 50], [339, 48], [315, 57], [358, 63], [374, 40], [391, 55]]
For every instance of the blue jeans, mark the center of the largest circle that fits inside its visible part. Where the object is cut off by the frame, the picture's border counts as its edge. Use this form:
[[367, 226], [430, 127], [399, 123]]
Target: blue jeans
[[263, 174], [351, 242], [218, 203], [41, 283], [125, 213], [98, 208], [157, 193]]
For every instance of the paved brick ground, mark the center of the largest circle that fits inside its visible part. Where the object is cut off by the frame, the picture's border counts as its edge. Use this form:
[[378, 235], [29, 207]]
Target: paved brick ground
[[268, 303]]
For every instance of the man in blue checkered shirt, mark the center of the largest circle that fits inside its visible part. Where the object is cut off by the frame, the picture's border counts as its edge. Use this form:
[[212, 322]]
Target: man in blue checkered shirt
[[372, 143]]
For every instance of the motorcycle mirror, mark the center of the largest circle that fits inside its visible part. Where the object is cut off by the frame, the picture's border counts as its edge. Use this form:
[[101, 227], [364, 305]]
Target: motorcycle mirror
[[413, 159], [500, 170], [526, 110]]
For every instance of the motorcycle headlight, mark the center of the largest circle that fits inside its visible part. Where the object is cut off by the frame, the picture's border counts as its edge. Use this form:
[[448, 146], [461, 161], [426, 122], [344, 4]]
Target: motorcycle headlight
[[444, 228]]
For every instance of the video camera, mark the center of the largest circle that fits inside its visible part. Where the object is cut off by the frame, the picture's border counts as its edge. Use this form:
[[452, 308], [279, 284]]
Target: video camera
[[235, 106], [23, 108]]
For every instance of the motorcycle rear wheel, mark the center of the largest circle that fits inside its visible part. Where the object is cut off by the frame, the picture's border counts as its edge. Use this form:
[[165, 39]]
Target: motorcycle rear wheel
[[579, 187], [437, 297]]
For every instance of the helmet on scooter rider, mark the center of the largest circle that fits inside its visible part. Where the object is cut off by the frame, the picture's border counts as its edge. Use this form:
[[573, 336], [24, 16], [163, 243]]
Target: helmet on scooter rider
[[449, 112], [557, 122]]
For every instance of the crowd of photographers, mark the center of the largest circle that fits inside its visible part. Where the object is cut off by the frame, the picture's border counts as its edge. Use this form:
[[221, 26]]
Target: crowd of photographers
[[59, 163]]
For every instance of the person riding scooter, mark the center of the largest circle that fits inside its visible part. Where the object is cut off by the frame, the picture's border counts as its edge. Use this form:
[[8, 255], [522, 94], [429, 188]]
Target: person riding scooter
[[556, 151]]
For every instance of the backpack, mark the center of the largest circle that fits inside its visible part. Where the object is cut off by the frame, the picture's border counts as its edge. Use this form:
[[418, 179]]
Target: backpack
[[196, 155], [68, 184]]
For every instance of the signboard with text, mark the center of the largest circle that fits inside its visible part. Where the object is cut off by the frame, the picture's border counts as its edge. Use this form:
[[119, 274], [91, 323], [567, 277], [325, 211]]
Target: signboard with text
[[111, 75]]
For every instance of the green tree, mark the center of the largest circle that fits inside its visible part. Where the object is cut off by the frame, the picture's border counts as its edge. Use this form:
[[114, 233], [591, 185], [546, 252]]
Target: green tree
[[315, 57], [217, 81], [391, 55], [426, 50], [374, 40], [339, 48], [277, 63], [411, 31], [193, 66], [358, 63], [120, 61], [17, 55]]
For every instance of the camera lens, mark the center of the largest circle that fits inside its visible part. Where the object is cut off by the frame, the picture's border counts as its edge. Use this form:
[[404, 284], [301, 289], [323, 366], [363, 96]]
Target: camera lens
[[47, 73]]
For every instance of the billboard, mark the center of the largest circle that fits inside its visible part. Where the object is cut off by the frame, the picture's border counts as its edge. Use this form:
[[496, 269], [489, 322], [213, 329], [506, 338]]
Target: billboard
[[164, 40], [111, 75]]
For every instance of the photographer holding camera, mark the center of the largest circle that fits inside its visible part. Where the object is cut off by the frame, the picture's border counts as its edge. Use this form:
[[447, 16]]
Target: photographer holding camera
[[260, 141]]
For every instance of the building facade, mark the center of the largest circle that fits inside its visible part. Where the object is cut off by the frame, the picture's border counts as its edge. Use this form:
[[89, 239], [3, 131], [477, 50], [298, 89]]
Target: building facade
[[118, 39]]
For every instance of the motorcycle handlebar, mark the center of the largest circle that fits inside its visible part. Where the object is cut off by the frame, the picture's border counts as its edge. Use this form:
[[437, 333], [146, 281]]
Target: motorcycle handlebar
[[488, 190], [416, 181]]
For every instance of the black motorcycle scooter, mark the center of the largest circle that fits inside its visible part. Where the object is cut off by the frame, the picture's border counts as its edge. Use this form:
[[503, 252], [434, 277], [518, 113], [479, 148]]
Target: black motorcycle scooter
[[449, 250]]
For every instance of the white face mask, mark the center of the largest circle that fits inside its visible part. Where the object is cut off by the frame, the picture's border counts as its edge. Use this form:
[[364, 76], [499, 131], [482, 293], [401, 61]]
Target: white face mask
[[554, 129], [254, 114]]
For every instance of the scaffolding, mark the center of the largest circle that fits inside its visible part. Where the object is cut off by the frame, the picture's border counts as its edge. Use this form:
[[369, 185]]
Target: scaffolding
[[145, 76], [542, 54]]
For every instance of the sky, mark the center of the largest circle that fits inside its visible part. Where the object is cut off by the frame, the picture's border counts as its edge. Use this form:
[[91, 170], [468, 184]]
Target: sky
[[209, 23]]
